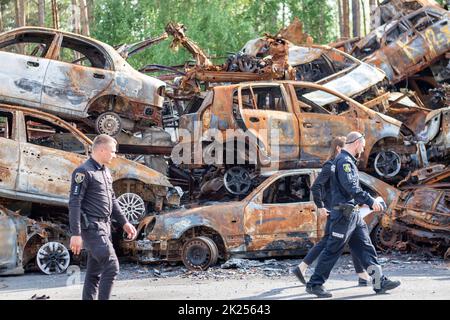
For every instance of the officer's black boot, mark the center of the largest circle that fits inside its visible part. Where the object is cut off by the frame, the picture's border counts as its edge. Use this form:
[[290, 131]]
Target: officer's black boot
[[319, 291], [386, 285], [298, 274]]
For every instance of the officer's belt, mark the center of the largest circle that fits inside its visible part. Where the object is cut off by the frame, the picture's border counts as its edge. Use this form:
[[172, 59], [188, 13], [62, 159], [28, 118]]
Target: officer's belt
[[98, 219], [347, 209]]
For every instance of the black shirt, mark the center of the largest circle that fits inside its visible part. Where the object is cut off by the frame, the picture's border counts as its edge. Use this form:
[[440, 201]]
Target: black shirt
[[91, 193], [321, 188]]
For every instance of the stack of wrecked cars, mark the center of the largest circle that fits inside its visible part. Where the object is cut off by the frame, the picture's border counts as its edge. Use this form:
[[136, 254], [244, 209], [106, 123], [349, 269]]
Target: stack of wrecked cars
[[250, 137], [38, 153]]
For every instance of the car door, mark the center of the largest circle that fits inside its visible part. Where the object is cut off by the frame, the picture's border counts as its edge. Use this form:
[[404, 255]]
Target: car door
[[265, 113], [23, 66], [282, 217], [9, 154], [320, 124], [10, 261], [78, 72], [45, 165]]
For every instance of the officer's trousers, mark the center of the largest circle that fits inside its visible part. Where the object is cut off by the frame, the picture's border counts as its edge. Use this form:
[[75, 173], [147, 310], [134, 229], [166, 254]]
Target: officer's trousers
[[102, 263], [320, 246], [352, 230]]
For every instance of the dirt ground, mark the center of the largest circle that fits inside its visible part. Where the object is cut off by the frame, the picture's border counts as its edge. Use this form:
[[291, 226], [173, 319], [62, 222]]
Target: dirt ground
[[422, 278]]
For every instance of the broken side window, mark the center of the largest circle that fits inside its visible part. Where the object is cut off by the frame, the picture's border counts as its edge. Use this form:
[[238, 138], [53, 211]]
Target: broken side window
[[82, 53], [6, 120], [423, 20], [289, 189], [248, 98], [400, 29], [265, 98], [44, 133], [194, 104], [318, 101], [30, 44]]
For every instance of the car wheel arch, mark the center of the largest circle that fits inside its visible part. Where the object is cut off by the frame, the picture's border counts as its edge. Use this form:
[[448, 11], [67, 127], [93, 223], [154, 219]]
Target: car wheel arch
[[203, 230]]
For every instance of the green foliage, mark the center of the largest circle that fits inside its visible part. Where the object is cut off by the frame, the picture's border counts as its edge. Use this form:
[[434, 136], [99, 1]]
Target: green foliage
[[219, 27]]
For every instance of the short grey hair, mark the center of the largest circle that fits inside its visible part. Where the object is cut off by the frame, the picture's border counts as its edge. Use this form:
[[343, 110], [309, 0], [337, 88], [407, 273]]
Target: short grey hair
[[353, 137], [102, 139]]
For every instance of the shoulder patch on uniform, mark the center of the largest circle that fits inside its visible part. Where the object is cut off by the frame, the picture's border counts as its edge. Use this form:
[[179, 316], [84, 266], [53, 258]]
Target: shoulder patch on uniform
[[346, 167], [79, 177]]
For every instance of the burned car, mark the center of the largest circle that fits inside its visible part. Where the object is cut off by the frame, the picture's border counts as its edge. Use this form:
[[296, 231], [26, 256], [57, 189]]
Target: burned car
[[413, 47], [27, 243], [277, 218], [35, 166], [420, 217], [288, 124], [77, 78]]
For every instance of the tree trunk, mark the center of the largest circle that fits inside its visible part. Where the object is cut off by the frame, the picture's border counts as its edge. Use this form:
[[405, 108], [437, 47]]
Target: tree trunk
[[356, 14], [75, 17], [346, 18], [341, 21], [84, 18], [1, 17], [41, 12], [55, 15], [90, 11], [364, 16], [20, 13]]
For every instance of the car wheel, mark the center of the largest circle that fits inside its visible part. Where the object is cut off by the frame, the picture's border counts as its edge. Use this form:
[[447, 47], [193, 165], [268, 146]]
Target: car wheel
[[199, 253], [108, 123], [132, 206], [387, 164], [384, 238], [237, 180], [52, 258]]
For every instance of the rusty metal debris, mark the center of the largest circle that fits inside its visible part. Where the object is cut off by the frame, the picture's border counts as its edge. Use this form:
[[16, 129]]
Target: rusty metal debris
[[39, 152], [78, 78], [410, 44], [27, 242], [250, 202], [421, 213], [276, 218]]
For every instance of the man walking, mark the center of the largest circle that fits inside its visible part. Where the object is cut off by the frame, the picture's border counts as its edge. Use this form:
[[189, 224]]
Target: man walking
[[92, 204], [346, 225]]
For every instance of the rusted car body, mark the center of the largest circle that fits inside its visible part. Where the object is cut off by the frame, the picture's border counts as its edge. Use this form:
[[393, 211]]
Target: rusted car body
[[420, 216], [22, 240], [438, 135], [304, 116], [405, 47], [77, 78], [36, 167], [277, 218]]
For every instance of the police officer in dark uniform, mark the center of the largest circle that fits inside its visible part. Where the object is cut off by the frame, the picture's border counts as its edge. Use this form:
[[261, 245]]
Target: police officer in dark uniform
[[346, 225], [321, 190], [92, 204]]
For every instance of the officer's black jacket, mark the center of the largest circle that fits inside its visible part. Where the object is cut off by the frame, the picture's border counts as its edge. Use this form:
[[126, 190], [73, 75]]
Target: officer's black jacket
[[321, 188], [91, 193], [345, 187]]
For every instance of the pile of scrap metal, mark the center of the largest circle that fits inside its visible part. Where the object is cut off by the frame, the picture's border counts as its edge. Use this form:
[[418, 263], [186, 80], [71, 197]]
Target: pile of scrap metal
[[289, 55], [410, 43], [420, 214], [277, 217], [26, 244]]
